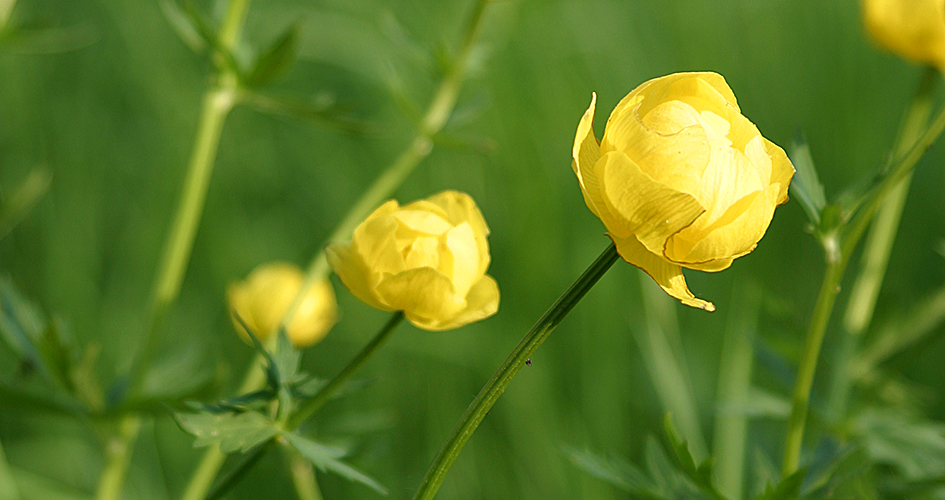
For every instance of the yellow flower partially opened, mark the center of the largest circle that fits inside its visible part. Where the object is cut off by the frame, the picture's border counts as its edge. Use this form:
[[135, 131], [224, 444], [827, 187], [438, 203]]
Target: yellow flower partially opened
[[913, 29], [680, 178], [266, 295], [427, 259]]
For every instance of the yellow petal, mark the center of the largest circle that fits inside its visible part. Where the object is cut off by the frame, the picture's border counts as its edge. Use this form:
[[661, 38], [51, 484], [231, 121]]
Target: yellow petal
[[376, 241], [913, 29], [423, 294], [781, 170], [482, 301], [422, 221], [643, 207], [459, 208], [734, 235], [585, 154], [666, 274], [464, 270], [316, 314], [354, 273]]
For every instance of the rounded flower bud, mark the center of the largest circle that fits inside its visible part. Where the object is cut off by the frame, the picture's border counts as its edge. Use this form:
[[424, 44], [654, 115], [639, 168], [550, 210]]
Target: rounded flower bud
[[680, 178], [427, 259], [263, 299], [913, 29]]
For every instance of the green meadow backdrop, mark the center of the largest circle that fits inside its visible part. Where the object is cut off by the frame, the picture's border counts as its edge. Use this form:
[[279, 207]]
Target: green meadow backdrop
[[104, 96]]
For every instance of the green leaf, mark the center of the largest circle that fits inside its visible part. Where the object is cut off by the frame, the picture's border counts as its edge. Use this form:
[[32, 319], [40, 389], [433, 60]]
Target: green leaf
[[184, 25], [326, 458], [701, 475], [788, 489], [276, 59], [806, 187], [15, 207], [286, 367], [616, 471], [232, 431]]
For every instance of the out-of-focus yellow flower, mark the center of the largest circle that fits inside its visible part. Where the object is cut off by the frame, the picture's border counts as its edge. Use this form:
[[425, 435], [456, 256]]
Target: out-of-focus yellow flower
[[267, 293], [913, 29], [681, 178], [427, 259]]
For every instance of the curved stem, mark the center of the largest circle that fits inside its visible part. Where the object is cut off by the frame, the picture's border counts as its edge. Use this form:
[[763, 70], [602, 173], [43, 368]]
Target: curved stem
[[326, 392], [503, 376], [902, 166], [118, 450]]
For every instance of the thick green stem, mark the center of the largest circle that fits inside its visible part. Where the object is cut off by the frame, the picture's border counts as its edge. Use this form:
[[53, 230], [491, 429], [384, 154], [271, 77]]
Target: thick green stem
[[503, 376], [118, 451]]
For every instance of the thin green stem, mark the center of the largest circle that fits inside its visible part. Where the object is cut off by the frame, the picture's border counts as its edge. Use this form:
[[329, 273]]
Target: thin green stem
[[234, 476], [326, 392], [731, 423], [493, 389], [303, 475], [8, 488], [118, 451], [845, 243]]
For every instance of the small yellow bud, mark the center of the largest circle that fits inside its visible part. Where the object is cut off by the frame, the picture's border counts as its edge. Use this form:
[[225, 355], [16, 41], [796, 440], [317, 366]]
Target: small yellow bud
[[680, 178], [912, 29], [427, 259], [267, 293]]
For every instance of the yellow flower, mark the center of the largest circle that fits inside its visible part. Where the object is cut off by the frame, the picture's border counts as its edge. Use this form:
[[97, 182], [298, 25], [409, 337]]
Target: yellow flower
[[913, 29], [681, 178], [268, 292], [427, 259]]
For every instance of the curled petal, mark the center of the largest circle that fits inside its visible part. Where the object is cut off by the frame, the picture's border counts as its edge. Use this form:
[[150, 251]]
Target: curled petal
[[667, 275], [482, 301], [459, 209], [584, 156], [643, 207], [422, 293], [354, 273]]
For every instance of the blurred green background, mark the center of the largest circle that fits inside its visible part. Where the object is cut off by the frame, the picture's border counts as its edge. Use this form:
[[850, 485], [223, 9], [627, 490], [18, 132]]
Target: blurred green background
[[108, 103]]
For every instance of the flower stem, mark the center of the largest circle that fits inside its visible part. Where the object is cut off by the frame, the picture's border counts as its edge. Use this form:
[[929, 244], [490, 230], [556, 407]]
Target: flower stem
[[118, 450], [876, 252], [503, 376], [901, 167]]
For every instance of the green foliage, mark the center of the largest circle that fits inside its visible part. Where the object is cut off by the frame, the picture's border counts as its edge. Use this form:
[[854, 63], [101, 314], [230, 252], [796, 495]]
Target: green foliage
[[275, 60], [327, 458], [806, 186], [232, 431]]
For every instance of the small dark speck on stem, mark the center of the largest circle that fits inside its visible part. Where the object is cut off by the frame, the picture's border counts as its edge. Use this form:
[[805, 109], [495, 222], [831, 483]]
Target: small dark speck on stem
[[528, 361]]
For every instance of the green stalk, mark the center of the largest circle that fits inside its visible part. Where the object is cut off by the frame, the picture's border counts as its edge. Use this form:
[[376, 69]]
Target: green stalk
[[326, 392], [666, 365], [902, 166], [303, 475], [503, 376], [729, 441], [217, 103], [118, 450], [875, 257], [8, 488]]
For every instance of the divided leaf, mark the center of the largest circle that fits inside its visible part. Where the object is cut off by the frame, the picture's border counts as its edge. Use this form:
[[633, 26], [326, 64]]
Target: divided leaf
[[232, 431], [326, 458]]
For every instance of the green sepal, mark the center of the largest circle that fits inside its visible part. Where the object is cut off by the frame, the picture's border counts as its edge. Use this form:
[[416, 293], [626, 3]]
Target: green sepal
[[806, 187]]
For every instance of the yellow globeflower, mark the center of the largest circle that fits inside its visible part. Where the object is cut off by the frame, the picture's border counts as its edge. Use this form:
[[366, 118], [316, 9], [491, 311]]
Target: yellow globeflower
[[913, 29], [427, 259], [681, 178], [267, 293]]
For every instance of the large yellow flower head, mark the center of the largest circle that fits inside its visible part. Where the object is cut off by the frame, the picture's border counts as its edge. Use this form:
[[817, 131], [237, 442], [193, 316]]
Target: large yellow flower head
[[913, 29], [681, 178], [264, 297], [427, 259]]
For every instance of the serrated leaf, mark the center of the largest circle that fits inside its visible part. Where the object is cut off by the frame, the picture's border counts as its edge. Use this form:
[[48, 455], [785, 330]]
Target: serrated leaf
[[615, 471], [912, 445], [256, 400], [806, 187], [701, 475], [183, 25], [326, 458], [232, 431], [276, 59]]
